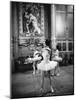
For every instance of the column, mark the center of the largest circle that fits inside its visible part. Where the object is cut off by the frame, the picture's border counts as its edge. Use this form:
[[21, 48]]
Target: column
[[15, 28], [20, 20], [53, 26], [13, 34], [66, 22], [67, 32], [42, 22]]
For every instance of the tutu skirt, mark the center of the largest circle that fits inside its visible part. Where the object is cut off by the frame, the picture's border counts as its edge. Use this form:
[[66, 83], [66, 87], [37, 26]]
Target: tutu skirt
[[57, 58], [50, 65]]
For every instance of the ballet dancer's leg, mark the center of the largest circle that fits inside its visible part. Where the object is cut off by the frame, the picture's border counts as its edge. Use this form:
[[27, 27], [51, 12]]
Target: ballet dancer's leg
[[57, 70], [34, 69], [52, 90], [42, 80]]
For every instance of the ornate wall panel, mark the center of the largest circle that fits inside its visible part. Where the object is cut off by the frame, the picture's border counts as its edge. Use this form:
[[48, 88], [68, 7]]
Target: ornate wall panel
[[31, 24]]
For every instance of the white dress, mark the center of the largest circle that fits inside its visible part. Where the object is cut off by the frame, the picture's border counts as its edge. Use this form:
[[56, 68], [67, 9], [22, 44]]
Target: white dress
[[46, 64]]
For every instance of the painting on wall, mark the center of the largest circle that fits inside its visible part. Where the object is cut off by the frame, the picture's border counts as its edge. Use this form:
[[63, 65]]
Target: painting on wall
[[32, 24], [31, 19]]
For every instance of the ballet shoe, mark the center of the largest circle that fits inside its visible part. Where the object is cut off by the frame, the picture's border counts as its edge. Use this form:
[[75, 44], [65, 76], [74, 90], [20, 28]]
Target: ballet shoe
[[34, 73], [58, 74], [52, 90]]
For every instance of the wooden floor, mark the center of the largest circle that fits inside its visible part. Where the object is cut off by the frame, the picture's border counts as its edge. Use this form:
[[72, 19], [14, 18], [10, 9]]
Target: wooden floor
[[26, 85]]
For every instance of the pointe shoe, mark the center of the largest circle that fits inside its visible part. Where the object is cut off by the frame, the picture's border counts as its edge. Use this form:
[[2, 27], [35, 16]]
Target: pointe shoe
[[58, 74], [34, 73], [52, 90]]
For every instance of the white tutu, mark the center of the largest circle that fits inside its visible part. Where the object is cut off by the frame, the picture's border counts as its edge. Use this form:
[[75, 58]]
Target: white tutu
[[57, 58], [43, 66]]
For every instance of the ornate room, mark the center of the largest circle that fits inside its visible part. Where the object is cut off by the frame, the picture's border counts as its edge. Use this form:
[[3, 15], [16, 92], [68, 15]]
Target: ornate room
[[31, 24]]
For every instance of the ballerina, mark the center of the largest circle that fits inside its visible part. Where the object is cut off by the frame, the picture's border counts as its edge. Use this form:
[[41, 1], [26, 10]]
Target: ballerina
[[36, 54], [45, 65], [37, 57], [57, 58]]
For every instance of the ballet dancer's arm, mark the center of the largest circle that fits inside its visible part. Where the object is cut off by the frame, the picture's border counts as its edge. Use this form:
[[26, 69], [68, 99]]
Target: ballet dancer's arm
[[36, 58]]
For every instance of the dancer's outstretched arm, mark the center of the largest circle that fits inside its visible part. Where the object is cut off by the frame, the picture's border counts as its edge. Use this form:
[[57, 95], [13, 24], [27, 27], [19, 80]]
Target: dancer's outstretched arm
[[36, 58]]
